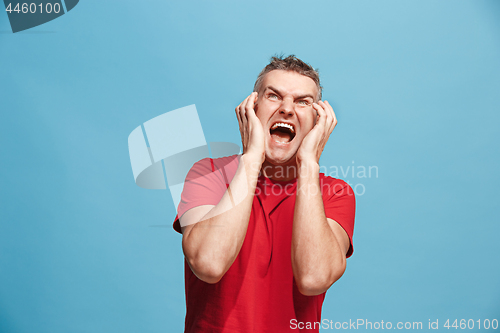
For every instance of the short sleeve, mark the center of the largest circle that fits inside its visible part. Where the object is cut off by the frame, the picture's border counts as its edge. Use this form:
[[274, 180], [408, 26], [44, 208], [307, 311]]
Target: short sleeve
[[205, 184], [340, 205]]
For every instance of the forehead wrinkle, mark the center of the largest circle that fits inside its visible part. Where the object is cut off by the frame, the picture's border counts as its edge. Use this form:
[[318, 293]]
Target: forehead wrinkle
[[278, 74], [300, 96]]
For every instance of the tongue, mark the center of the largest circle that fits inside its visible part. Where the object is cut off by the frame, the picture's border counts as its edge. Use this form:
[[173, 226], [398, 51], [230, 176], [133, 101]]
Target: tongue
[[281, 137]]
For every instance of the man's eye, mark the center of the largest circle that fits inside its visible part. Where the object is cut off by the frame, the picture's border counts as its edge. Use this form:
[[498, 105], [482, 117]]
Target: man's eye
[[303, 102], [273, 96]]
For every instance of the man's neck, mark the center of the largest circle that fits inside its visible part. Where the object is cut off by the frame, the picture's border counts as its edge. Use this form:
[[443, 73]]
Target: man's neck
[[281, 173]]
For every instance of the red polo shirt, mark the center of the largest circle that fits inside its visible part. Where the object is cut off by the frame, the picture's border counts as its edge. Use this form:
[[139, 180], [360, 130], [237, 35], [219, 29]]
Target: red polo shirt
[[258, 292]]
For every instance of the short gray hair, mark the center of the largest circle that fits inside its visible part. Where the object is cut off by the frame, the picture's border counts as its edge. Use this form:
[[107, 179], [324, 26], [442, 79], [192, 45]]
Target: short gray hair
[[293, 64]]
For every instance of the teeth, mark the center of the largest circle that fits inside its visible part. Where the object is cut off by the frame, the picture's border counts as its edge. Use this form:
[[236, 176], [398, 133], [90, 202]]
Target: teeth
[[283, 125]]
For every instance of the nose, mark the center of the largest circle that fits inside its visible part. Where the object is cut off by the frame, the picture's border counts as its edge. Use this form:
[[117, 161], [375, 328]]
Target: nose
[[286, 107]]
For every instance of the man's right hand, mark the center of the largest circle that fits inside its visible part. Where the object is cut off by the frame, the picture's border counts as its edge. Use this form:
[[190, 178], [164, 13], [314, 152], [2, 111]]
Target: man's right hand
[[213, 235], [251, 130]]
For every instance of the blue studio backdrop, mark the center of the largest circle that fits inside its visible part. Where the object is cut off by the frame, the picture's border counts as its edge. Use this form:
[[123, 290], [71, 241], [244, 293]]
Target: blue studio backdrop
[[415, 86]]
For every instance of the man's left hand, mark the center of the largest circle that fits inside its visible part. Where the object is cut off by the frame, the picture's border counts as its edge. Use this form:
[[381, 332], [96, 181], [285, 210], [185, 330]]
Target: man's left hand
[[314, 142]]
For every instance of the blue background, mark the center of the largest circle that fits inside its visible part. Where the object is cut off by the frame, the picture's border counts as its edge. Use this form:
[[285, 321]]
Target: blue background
[[415, 86]]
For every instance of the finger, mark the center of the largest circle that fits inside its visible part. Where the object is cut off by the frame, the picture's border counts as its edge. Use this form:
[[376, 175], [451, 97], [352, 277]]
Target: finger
[[247, 114], [330, 115], [249, 108], [240, 123], [321, 115], [237, 111], [244, 122], [334, 121], [252, 119], [244, 108], [240, 108]]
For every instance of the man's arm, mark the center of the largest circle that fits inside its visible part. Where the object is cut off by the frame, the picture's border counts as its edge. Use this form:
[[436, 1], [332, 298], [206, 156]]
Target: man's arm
[[213, 235], [319, 244]]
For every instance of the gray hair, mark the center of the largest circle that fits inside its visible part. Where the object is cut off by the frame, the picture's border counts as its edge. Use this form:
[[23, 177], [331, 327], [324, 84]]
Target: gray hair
[[293, 64]]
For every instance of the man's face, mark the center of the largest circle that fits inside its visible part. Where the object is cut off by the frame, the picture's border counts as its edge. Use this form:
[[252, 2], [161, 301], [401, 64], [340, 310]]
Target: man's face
[[284, 107]]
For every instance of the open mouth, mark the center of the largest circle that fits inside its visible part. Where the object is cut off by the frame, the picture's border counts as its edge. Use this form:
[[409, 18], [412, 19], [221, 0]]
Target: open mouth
[[282, 132]]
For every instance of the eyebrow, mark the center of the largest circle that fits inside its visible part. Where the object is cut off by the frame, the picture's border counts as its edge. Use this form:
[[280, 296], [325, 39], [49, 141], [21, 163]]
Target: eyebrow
[[281, 94]]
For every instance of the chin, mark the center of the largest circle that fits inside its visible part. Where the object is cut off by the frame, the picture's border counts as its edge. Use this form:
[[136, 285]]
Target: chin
[[280, 158]]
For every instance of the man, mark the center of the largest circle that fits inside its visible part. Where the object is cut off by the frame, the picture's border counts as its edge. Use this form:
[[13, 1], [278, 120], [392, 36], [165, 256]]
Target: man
[[265, 234]]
